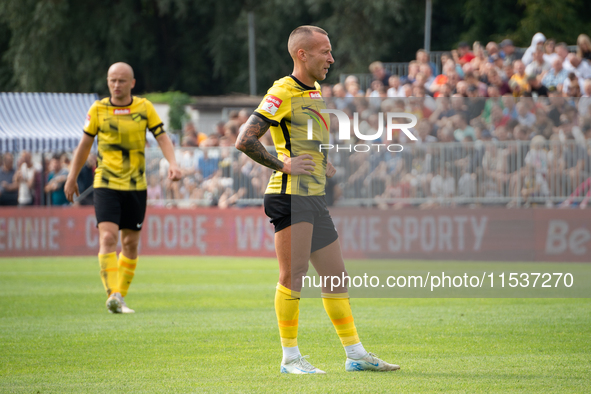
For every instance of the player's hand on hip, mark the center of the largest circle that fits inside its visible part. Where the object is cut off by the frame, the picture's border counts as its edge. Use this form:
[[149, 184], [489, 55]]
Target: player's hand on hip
[[330, 170], [174, 173], [71, 189], [298, 165]]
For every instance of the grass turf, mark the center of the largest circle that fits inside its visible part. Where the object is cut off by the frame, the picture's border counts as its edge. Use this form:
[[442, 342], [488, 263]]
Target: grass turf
[[208, 325]]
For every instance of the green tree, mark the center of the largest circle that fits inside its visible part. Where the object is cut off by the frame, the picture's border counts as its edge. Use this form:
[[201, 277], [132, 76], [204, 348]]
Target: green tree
[[201, 47]]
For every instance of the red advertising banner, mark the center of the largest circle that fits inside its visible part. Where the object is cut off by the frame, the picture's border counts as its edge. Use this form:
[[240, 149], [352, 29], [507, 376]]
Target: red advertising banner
[[485, 234]]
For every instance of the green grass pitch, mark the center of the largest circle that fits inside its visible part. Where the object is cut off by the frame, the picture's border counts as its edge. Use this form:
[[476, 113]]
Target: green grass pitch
[[208, 325]]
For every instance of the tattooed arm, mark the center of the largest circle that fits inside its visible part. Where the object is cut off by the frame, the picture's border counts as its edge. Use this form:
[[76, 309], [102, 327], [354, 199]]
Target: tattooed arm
[[248, 142]]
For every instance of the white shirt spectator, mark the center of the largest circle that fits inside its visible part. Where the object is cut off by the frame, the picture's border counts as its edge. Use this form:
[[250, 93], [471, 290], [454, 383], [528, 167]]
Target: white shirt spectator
[[443, 187], [549, 58], [535, 68], [393, 92], [25, 195]]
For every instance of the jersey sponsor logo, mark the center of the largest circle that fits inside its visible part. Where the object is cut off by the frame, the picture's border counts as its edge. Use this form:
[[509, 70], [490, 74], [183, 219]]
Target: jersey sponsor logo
[[124, 111], [315, 95], [87, 122], [272, 104]]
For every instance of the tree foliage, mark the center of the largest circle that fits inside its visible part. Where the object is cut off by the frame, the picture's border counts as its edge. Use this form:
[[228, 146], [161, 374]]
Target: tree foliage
[[201, 47]]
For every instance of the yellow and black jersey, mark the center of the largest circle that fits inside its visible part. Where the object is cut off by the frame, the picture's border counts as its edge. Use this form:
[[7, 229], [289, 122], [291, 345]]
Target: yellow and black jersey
[[121, 134], [288, 106]]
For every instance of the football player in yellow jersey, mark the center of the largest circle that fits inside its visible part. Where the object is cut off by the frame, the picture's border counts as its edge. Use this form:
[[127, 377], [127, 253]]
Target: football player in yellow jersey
[[120, 122], [295, 201]]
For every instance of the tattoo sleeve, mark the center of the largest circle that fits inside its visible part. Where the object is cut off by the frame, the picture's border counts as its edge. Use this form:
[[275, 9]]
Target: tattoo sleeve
[[248, 142]]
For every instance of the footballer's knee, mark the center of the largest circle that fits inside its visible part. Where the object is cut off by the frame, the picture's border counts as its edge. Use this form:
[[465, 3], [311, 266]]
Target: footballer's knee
[[129, 246], [108, 240]]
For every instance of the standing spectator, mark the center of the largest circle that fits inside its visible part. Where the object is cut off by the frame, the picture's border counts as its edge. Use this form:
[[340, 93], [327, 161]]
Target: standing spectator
[[549, 54], [537, 39], [57, 178], [562, 52], [207, 164], [8, 186], [538, 66], [463, 54], [25, 177], [509, 51], [379, 73], [423, 58], [493, 49], [584, 47]]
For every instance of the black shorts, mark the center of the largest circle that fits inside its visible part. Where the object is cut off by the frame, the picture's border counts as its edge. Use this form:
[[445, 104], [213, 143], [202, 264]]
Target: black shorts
[[125, 208], [285, 210]]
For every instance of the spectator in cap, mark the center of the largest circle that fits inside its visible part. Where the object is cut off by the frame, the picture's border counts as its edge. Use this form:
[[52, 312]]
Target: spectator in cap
[[509, 51], [537, 39], [493, 50], [463, 54]]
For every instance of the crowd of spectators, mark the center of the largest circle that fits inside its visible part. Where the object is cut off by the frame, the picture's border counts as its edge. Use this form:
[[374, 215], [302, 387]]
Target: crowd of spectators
[[538, 97], [520, 119], [41, 181]]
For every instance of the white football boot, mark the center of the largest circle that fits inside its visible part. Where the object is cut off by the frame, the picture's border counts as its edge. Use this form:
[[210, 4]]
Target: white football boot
[[114, 304], [300, 366], [124, 307], [369, 362]]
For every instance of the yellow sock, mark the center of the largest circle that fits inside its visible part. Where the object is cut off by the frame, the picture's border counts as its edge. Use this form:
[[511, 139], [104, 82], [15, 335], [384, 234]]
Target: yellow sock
[[287, 308], [126, 273], [109, 271], [338, 308]]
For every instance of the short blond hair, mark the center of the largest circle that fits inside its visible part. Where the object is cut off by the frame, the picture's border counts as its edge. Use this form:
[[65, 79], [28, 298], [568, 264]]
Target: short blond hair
[[299, 33]]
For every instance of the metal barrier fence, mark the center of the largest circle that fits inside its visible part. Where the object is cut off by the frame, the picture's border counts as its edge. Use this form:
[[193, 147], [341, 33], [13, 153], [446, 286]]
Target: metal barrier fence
[[426, 175]]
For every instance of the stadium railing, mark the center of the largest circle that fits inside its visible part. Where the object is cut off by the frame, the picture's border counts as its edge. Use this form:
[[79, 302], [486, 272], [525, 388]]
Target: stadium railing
[[512, 173]]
